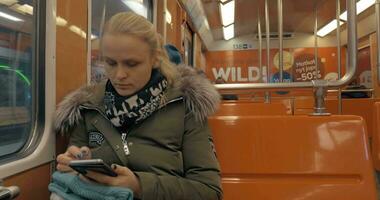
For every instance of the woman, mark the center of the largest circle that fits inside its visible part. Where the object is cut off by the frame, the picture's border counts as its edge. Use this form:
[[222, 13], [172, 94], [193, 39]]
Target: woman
[[149, 119]]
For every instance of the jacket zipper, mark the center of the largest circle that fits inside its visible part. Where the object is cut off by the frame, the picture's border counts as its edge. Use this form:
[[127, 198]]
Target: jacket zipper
[[123, 135], [125, 143]]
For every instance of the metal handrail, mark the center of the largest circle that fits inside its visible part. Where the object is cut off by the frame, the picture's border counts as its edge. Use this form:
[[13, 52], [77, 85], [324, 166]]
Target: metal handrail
[[351, 66], [352, 90]]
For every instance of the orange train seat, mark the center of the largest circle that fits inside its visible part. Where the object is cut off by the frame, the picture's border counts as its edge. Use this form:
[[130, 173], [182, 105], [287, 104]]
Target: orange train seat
[[361, 106], [247, 108], [293, 157], [376, 136], [305, 105]]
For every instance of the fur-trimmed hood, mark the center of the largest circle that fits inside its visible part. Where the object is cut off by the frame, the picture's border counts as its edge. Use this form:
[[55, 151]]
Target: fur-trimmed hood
[[200, 97]]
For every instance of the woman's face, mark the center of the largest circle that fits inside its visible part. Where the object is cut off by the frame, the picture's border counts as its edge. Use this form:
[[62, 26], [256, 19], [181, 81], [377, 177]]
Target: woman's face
[[129, 62]]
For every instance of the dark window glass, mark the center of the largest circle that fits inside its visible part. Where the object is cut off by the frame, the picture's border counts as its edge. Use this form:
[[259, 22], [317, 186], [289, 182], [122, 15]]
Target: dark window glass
[[16, 79]]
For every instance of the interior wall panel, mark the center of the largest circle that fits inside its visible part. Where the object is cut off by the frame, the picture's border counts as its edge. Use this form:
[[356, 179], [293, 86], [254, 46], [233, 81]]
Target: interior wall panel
[[373, 49], [160, 17], [173, 29], [33, 183], [71, 52]]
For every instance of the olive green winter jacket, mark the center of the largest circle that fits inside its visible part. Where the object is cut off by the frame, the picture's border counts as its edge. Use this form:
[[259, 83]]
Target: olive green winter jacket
[[171, 152]]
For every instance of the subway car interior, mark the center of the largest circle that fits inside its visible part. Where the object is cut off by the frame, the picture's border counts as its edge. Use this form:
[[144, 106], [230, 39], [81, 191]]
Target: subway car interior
[[299, 87]]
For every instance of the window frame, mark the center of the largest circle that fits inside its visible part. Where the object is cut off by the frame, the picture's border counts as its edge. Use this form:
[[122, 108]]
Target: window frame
[[40, 146]]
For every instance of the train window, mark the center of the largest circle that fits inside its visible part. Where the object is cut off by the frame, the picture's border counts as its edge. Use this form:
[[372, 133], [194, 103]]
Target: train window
[[101, 11], [17, 79]]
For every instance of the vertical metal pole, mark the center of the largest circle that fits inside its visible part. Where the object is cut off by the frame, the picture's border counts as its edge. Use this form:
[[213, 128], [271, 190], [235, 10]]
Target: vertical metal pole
[[101, 26], [316, 41], [352, 44], [320, 91], [280, 33], [260, 47], [339, 54], [89, 38], [267, 30], [267, 27], [165, 26], [378, 39]]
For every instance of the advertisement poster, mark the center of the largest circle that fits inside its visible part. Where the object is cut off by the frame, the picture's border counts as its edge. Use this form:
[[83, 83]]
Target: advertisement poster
[[242, 66]]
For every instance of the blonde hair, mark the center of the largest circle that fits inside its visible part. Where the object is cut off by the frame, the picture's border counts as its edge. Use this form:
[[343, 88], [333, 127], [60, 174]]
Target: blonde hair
[[134, 24]]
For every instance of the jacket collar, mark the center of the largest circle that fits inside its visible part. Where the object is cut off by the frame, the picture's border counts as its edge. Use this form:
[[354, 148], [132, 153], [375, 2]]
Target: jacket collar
[[200, 97]]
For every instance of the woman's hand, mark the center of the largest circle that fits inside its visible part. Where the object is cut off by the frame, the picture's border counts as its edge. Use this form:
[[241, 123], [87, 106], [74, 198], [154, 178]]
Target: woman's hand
[[126, 178], [72, 153]]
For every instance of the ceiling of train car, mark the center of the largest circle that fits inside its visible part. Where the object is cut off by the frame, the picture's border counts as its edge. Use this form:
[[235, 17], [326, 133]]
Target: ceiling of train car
[[298, 15]]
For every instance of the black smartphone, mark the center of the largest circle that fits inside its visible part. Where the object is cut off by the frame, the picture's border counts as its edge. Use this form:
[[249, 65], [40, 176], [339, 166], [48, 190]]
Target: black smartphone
[[96, 165]]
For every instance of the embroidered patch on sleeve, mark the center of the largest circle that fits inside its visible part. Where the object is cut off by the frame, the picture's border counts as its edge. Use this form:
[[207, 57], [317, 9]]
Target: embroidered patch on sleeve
[[95, 139]]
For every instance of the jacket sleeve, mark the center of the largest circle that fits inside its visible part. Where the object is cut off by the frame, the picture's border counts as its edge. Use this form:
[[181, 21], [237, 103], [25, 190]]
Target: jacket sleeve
[[201, 178], [78, 135]]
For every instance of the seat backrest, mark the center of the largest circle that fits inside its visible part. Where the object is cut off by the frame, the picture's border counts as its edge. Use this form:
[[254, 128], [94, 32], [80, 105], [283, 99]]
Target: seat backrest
[[361, 106], [375, 142], [303, 105], [293, 157], [244, 108]]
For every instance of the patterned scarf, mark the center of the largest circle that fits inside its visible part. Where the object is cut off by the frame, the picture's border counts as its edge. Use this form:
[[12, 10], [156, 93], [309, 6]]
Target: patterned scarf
[[126, 111]]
